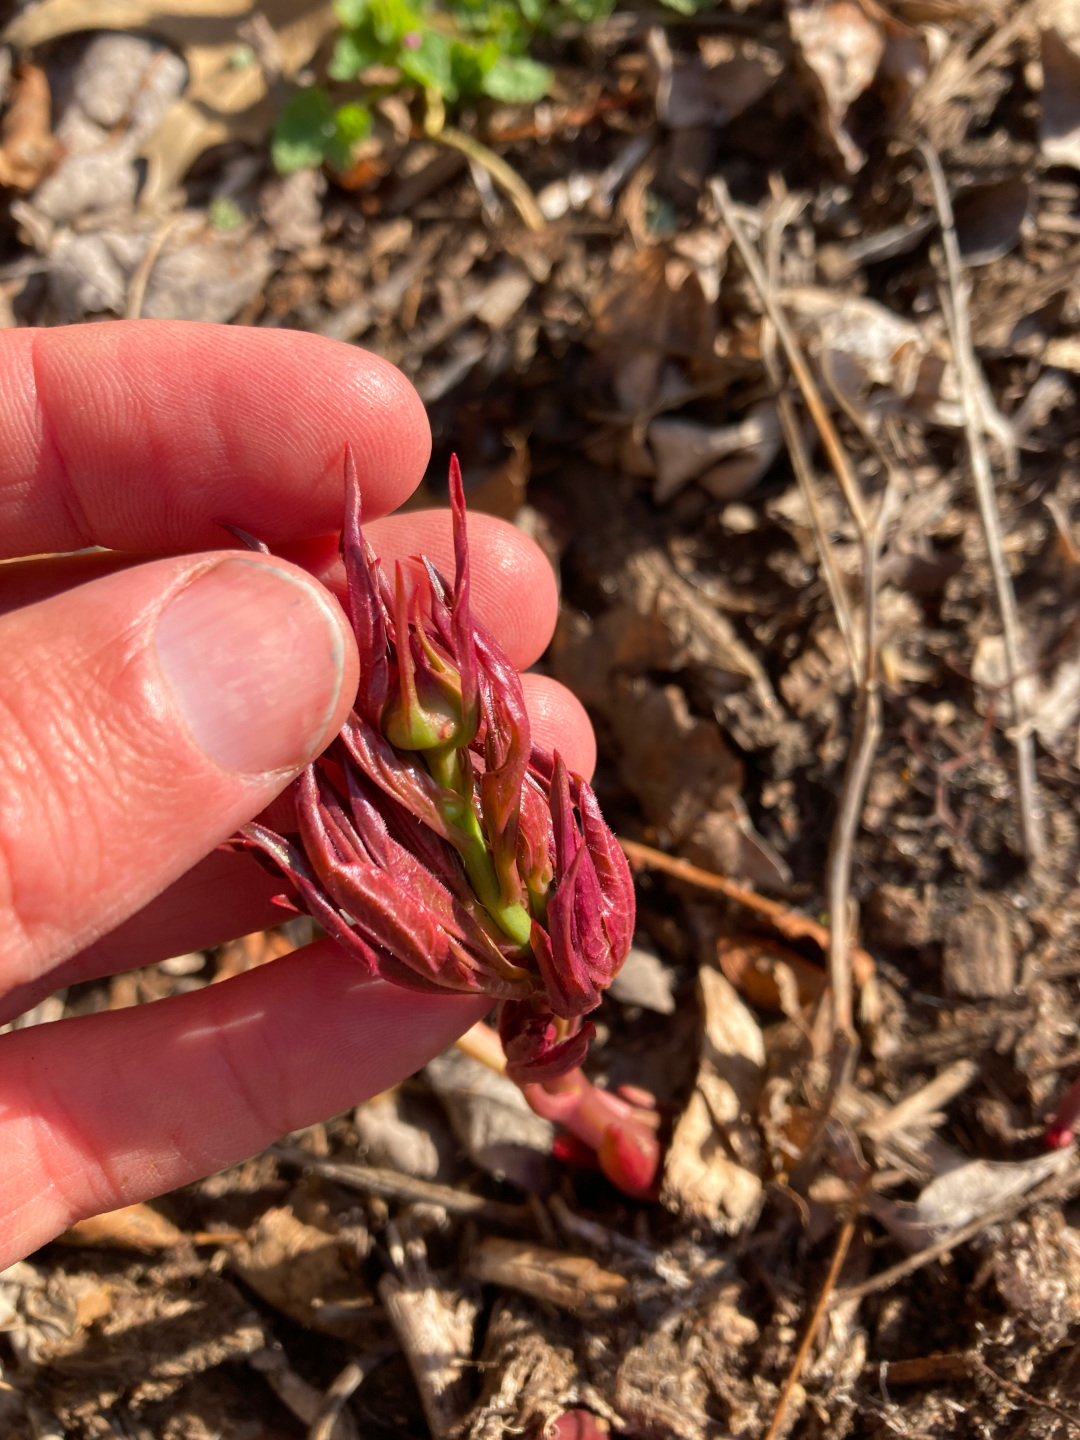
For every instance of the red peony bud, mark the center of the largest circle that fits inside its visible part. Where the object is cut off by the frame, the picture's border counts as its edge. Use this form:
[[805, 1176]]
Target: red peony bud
[[436, 844]]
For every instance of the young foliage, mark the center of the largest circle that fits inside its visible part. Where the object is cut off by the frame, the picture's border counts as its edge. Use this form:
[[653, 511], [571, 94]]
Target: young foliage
[[456, 50]]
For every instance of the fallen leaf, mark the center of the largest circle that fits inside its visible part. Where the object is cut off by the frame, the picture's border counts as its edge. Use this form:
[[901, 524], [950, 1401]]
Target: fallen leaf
[[644, 980], [134, 1227], [862, 344], [727, 77], [492, 1121], [573, 1282], [223, 101], [302, 1271], [963, 1194], [712, 1172], [27, 145], [842, 48], [1059, 126], [404, 1132], [756, 968], [686, 449]]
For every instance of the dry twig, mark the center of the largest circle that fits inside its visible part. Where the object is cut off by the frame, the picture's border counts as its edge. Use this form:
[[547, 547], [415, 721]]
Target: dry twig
[[141, 276], [504, 175], [390, 1185], [972, 388], [872, 531], [345, 1384], [979, 1364], [843, 1242], [787, 923]]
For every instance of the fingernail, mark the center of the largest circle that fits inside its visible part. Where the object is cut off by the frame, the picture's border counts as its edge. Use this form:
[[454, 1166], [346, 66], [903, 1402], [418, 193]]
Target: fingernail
[[254, 659]]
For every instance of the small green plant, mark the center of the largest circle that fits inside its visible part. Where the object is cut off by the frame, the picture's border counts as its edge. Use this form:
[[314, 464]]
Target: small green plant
[[453, 50], [311, 130]]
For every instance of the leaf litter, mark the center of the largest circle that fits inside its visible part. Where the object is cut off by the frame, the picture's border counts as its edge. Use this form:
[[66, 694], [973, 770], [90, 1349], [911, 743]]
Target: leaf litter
[[732, 332]]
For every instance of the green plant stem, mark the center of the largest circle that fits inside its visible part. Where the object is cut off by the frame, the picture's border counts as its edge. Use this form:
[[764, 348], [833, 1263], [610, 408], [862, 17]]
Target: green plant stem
[[512, 919]]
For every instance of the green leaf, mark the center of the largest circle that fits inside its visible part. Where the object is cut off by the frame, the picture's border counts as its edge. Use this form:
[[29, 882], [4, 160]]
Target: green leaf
[[351, 13], [470, 63], [309, 130], [681, 7], [303, 129], [354, 51], [393, 19], [429, 64], [587, 12], [519, 80], [224, 214], [352, 123]]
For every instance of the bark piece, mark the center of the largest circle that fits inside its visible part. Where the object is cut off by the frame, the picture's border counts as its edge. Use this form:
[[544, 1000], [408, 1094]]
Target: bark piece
[[979, 958], [434, 1327], [573, 1282]]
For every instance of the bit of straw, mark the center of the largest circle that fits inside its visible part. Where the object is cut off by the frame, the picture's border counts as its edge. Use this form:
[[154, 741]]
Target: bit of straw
[[843, 1243], [504, 175], [872, 526], [972, 385]]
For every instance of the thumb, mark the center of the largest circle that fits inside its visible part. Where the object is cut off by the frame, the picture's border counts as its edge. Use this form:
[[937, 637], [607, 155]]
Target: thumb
[[144, 717]]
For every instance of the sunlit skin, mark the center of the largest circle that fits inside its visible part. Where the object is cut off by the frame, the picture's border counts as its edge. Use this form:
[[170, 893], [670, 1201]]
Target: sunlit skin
[[138, 437]]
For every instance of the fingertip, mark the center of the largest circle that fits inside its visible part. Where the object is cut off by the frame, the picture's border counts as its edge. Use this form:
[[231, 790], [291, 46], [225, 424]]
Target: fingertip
[[391, 458], [559, 722], [232, 423]]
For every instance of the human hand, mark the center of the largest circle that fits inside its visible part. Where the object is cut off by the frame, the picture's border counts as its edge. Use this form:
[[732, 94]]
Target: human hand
[[150, 706]]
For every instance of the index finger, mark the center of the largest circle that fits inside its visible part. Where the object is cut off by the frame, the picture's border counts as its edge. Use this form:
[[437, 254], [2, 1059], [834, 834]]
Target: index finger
[[143, 434]]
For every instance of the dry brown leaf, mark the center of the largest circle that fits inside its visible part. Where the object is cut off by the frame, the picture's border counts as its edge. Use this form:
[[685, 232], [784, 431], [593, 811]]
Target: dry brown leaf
[[492, 1121], [302, 1271], [134, 1227], [573, 1282], [752, 967], [712, 1171], [224, 101], [53, 18], [961, 1195], [1059, 51], [842, 47], [728, 78], [27, 145], [861, 344], [686, 449], [644, 980]]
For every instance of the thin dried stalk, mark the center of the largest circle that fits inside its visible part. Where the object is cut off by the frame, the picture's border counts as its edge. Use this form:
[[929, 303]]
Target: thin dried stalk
[[788, 923], [843, 1243], [345, 1384], [141, 276], [804, 474], [795, 358], [800, 456], [972, 384], [504, 175], [954, 72], [391, 1185], [867, 727], [865, 738]]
